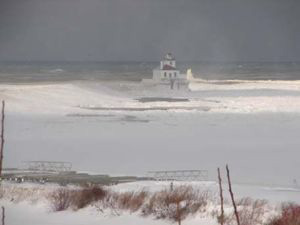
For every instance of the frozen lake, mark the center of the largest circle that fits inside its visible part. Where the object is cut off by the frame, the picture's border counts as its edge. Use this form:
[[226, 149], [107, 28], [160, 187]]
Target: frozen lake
[[253, 126]]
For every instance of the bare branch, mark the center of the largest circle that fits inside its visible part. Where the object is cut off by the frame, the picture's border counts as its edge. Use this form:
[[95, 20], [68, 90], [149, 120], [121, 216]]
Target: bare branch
[[2, 137], [232, 197], [221, 218], [3, 215]]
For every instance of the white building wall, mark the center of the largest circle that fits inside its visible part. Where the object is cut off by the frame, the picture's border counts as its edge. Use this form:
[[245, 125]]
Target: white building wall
[[170, 74], [160, 75]]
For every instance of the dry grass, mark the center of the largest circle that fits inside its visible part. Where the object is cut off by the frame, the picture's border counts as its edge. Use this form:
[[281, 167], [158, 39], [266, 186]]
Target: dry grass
[[175, 205], [132, 201], [60, 199], [172, 205], [251, 212], [109, 202], [86, 196], [63, 198], [290, 215], [119, 202]]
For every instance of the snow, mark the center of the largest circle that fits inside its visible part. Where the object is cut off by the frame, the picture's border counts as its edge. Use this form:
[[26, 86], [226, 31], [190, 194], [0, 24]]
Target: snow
[[251, 125], [275, 195], [39, 212], [226, 97], [24, 213]]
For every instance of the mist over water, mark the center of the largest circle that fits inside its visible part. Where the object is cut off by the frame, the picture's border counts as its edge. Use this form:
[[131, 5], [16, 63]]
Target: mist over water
[[136, 71]]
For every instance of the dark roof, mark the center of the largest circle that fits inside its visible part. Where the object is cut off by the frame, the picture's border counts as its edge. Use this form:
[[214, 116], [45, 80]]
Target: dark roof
[[168, 67]]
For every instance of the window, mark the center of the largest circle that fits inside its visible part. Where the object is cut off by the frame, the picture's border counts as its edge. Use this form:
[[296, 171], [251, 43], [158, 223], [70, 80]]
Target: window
[[165, 74], [170, 75], [175, 74]]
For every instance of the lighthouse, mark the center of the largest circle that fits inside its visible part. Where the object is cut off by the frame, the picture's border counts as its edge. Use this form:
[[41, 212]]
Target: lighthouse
[[167, 71], [168, 74]]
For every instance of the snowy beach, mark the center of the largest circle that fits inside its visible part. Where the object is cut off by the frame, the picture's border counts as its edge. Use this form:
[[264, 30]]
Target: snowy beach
[[36, 209]]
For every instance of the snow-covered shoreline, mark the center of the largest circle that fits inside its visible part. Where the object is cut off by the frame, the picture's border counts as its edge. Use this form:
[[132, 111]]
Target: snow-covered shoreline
[[225, 97], [33, 207]]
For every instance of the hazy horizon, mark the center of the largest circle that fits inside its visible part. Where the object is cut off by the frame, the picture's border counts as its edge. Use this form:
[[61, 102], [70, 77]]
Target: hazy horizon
[[145, 61]]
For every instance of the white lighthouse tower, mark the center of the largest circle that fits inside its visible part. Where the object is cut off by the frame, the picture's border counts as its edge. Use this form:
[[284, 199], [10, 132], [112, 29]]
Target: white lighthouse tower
[[167, 71]]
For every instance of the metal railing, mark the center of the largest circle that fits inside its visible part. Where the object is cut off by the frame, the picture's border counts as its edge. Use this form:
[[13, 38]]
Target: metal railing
[[46, 166], [179, 175]]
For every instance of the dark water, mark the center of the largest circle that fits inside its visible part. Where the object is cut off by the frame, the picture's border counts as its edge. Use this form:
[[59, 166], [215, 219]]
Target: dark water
[[135, 71]]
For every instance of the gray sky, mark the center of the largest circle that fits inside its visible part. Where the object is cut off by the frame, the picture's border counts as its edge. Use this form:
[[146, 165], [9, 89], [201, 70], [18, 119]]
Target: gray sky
[[142, 30]]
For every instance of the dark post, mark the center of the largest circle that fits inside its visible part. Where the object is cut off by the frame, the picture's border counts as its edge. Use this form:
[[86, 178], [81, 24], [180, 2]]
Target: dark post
[[2, 137], [232, 197], [221, 218], [172, 81], [3, 215]]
